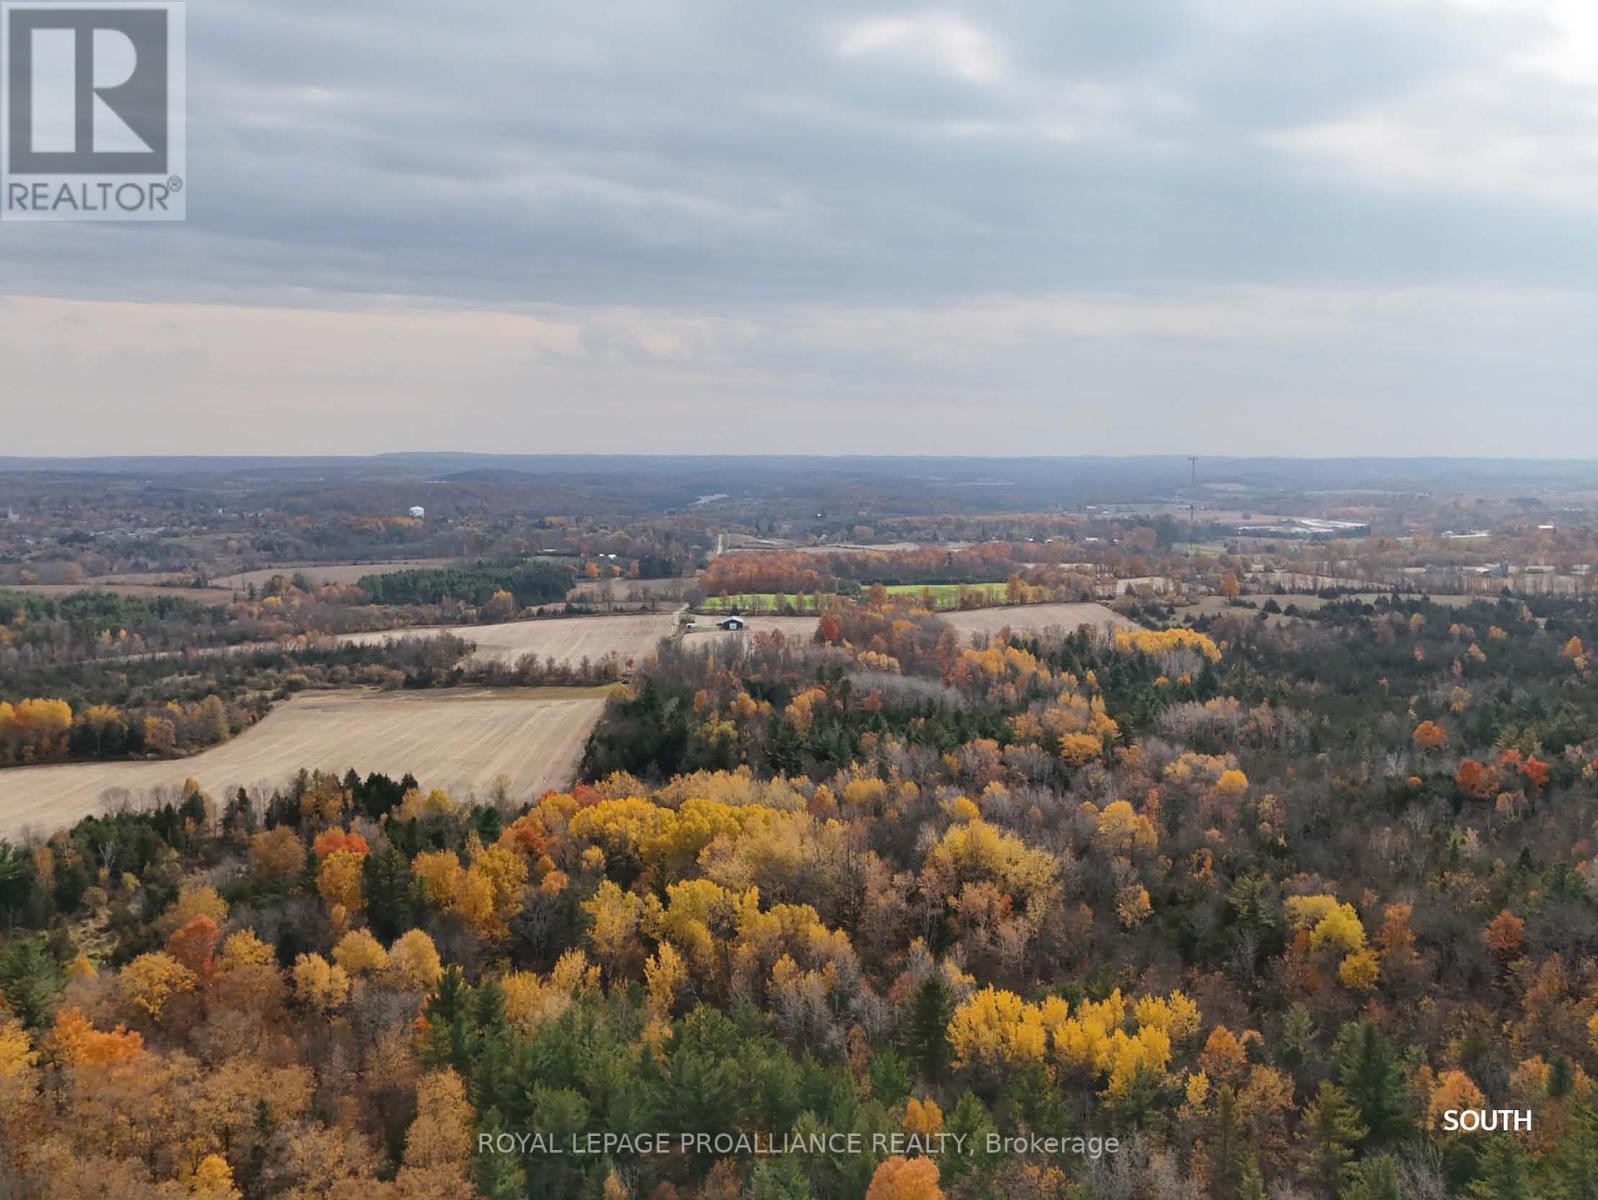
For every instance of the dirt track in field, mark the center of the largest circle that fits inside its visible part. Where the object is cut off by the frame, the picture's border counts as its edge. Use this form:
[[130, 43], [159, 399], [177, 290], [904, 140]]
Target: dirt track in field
[[566, 639], [461, 740]]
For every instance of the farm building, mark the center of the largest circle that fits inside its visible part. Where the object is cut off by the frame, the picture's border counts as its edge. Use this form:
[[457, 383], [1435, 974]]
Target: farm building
[[730, 623]]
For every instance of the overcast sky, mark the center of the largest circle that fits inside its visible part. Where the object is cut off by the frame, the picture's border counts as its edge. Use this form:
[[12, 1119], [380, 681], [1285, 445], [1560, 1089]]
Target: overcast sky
[[1036, 227]]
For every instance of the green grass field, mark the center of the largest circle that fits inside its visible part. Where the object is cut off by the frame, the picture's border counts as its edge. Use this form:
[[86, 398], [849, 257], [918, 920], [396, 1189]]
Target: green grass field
[[944, 595], [947, 595]]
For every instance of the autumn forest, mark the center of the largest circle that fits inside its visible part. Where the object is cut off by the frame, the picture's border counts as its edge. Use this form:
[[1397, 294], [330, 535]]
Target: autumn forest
[[1227, 891]]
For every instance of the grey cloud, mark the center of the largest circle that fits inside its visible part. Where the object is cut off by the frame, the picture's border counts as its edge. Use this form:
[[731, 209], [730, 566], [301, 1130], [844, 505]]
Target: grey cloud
[[680, 184], [665, 151]]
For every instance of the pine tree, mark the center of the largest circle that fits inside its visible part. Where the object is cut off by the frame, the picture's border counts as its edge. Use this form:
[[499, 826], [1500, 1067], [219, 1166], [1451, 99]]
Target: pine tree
[[498, 1176], [926, 1036], [1226, 1165], [1332, 1127], [1372, 1077], [971, 1121], [386, 883], [779, 1179], [1570, 1169], [1505, 1172], [1250, 1183], [1376, 1179], [1559, 1077], [890, 1077], [1297, 1040], [449, 1026], [30, 980]]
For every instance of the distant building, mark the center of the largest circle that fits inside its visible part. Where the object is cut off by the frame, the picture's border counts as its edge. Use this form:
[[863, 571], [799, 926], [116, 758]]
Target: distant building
[[730, 623], [418, 511]]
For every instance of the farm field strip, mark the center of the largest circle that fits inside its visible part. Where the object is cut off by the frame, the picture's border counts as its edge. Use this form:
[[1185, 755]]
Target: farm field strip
[[221, 589], [325, 572], [212, 596], [945, 596], [1213, 605], [795, 628], [567, 639], [988, 621], [461, 740]]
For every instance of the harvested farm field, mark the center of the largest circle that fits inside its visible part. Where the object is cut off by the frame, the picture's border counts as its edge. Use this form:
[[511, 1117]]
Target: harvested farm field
[[800, 628], [988, 621], [326, 572], [60, 590], [566, 639], [462, 740]]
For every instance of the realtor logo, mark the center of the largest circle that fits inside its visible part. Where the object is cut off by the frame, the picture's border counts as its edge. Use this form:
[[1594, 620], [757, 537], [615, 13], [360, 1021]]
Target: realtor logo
[[91, 111]]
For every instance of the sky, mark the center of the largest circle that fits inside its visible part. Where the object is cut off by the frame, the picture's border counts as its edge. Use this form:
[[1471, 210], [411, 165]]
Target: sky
[[1327, 227]]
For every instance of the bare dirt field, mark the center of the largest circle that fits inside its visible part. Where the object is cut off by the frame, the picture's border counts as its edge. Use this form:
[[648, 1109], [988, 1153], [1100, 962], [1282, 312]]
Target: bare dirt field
[[988, 621], [201, 595], [566, 639], [800, 628], [326, 572], [630, 591], [770, 544], [222, 588], [462, 740], [1210, 605]]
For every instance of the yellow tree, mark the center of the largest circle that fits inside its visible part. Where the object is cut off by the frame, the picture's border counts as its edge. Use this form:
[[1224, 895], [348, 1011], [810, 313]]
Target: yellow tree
[[359, 953], [213, 1180], [339, 881], [319, 984], [438, 1145], [996, 1028], [151, 980], [245, 949], [899, 1178], [413, 962]]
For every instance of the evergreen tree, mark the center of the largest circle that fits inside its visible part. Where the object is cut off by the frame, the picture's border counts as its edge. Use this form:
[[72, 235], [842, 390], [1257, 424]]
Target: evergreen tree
[[778, 1179], [1375, 1179], [1505, 1171], [498, 1176], [1332, 1127], [1370, 1074], [1296, 1045], [1226, 1164], [1559, 1077], [17, 882], [1250, 1183], [926, 1034], [387, 885], [449, 1027], [1570, 1168], [30, 981], [971, 1121], [890, 1077]]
